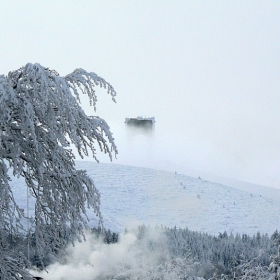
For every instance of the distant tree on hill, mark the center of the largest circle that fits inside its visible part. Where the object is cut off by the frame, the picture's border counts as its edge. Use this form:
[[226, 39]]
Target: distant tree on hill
[[40, 116]]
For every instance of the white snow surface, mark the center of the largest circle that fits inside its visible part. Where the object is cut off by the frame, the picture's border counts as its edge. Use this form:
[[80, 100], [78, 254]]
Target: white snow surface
[[132, 196]]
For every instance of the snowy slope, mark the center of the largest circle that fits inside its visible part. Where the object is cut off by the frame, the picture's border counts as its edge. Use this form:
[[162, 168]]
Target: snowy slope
[[132, 196]]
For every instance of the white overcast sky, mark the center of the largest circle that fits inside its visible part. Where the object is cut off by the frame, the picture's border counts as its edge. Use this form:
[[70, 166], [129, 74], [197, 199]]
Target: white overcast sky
[[208, 71]]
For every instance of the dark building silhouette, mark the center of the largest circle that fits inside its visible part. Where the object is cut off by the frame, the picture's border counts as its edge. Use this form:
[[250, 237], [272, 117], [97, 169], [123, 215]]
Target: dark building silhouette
[[142, 124]]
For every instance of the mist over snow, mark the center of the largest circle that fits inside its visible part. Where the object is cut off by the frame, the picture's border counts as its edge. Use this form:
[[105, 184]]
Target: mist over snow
[[128, 259], [175, 147]]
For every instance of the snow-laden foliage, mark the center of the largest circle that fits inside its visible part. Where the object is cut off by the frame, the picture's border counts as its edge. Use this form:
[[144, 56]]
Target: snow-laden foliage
[[12, 262], [274, 266], [40, 117]]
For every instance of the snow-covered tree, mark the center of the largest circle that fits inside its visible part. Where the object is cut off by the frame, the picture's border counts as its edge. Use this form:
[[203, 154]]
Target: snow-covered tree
[[274, 266], [40, 117]]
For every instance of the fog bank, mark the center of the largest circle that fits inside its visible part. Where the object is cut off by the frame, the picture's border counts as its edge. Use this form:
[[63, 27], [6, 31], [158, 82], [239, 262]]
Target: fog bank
[[144, 258]]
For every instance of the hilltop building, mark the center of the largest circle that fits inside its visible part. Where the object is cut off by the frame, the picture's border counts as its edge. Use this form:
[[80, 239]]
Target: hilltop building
[[143, 125]]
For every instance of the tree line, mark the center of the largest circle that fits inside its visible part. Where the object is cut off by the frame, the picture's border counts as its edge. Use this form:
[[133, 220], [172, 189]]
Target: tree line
[[188, 253]]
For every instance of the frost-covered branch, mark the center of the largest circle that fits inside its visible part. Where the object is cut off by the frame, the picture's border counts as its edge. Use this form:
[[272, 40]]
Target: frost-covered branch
[[40, 116]]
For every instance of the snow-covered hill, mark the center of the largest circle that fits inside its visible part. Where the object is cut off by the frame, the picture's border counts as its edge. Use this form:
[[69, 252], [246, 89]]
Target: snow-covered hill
[[132, 196]]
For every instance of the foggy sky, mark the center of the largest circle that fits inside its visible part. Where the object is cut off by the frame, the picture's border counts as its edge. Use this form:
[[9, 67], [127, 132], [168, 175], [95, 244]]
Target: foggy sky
[[208, 71]]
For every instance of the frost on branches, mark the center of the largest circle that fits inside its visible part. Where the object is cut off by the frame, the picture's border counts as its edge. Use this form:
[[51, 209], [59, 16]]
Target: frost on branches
[[40, 117]]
